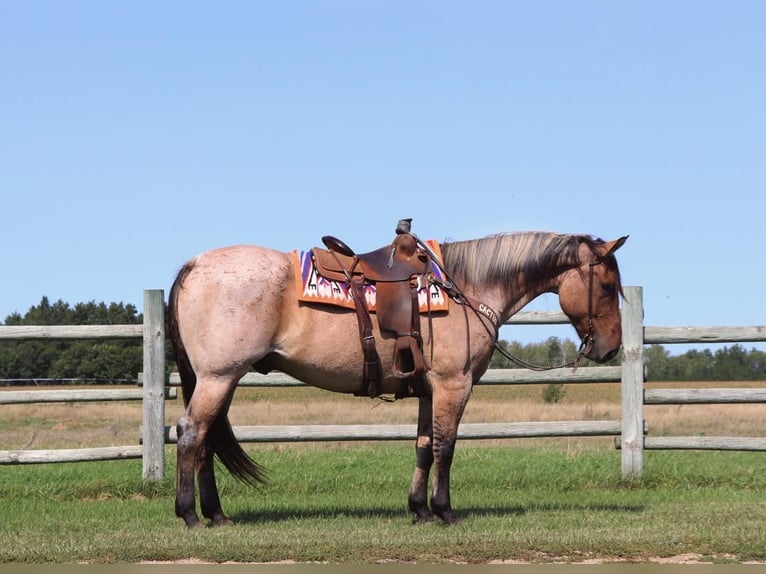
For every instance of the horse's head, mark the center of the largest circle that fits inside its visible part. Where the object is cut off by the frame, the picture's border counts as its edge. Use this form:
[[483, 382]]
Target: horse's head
[[590, 296]]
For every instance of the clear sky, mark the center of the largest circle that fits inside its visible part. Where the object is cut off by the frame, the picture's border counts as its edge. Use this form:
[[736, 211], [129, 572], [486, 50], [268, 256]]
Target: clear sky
[[134, 135]]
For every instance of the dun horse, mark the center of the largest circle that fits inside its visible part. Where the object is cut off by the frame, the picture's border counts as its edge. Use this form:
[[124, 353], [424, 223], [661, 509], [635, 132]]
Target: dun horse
[[236, 308]]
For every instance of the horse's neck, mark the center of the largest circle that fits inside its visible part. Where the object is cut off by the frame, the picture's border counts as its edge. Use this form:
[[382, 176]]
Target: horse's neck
[[510, 290], [509, 300], [524, 295]]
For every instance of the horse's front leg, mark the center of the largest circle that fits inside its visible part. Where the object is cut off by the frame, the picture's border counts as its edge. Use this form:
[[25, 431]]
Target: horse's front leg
[[418, 497], [448, 406]]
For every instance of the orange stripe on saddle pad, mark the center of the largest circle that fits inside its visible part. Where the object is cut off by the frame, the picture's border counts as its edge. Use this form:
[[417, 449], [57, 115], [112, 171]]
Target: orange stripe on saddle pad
[[311, 287]]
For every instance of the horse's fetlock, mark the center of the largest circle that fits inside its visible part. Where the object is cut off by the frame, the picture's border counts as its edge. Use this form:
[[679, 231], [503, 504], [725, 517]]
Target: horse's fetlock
[[417, 504], [441, 507]]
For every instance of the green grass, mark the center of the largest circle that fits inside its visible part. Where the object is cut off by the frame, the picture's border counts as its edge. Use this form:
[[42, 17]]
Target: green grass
[[349, 506]]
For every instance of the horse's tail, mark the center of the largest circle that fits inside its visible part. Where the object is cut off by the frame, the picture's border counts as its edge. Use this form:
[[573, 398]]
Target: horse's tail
[[220, 435]]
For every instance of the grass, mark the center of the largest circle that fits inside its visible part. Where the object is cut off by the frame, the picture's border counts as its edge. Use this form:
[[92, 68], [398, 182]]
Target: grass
[[535, 500], [531, 504]]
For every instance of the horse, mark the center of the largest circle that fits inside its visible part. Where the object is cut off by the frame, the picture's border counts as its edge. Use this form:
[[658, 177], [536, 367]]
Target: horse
[[234, 309]]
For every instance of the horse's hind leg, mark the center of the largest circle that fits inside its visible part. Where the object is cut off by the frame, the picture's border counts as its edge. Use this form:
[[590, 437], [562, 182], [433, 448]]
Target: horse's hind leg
[[187, 453], [418, 496], [208, 492], [210, 400], [210, 502]]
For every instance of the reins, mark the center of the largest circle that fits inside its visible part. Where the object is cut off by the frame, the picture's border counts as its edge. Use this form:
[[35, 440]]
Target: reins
[[486, 313], [585, 343]]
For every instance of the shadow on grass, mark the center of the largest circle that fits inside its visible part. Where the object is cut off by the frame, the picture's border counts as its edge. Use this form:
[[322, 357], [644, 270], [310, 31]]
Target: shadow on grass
[[380, 513]]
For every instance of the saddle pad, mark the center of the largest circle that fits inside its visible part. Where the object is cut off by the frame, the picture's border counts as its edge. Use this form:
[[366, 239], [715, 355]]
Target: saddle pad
[[313, 288]]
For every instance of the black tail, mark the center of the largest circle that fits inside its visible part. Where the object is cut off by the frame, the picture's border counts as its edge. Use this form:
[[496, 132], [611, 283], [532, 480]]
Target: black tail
[[220, 436]]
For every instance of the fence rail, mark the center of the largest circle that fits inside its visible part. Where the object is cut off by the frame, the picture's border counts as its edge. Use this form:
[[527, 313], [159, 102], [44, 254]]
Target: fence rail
[[20, 332], [41, 456], [491, 377], [76, 395], [671, 335], [468, 431], [630, 431], [703, 396], [705, 443]]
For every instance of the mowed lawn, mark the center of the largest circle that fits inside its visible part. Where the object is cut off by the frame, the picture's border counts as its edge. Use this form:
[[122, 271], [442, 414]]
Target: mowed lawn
[[546, 503], [527, 500]]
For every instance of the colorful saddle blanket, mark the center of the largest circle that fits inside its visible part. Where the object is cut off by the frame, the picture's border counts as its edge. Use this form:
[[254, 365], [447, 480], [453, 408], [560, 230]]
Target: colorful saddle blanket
[[311, 287]]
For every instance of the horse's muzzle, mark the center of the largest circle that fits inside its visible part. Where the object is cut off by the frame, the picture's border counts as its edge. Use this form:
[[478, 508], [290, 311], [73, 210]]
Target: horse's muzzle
[[608, 356]]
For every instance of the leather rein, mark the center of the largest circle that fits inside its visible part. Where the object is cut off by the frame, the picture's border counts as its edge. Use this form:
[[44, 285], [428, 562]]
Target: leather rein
[[585, 343], [486, 313]]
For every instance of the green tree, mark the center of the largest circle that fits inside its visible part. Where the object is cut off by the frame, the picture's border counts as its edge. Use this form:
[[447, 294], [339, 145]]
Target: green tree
[[658, 362], [81, 359]]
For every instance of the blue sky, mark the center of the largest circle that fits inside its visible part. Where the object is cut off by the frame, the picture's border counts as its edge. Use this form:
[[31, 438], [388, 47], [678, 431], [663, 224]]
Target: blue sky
[[134, 135]]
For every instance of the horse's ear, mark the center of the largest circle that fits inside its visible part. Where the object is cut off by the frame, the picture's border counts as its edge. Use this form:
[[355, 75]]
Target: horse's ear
[[608, 248]]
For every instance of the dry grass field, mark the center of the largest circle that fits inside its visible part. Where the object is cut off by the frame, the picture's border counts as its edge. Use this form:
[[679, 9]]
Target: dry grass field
[[78, 425]]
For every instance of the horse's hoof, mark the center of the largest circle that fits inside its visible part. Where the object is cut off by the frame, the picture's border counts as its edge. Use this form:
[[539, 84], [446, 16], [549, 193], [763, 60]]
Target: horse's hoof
[[452, 522], [192, 521], [422, 517], [448, 518], [421, 511], [192, 524]]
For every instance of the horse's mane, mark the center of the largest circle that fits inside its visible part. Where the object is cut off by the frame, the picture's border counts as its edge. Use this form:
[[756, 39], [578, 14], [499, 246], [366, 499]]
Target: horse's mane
[[499, 259]]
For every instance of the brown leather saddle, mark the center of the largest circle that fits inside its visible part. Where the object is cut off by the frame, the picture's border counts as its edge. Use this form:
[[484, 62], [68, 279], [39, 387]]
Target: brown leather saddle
[[398, 271]]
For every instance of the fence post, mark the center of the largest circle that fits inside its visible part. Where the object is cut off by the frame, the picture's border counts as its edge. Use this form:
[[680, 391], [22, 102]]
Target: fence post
[[154, 385], [632, 438]]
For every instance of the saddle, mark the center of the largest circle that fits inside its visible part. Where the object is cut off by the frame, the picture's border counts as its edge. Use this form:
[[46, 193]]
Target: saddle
[[398, 272]]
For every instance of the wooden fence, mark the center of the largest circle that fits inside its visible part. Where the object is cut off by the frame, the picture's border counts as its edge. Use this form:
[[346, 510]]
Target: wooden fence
[[153, 394], [630, 431]]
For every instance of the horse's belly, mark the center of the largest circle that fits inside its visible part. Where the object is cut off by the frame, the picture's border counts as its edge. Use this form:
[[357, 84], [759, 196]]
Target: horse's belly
[[332, 371], [322, 348]]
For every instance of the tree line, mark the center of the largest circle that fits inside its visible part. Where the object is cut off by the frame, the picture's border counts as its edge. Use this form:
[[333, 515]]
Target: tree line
[[734, 363], [105, 360], [86, 360]]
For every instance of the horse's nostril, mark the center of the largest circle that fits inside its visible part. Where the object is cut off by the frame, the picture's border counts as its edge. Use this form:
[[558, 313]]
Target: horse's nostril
[[609, 356]]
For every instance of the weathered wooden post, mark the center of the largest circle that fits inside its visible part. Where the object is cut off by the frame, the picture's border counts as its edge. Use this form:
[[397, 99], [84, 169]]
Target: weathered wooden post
[[632, 439], [154, 385]]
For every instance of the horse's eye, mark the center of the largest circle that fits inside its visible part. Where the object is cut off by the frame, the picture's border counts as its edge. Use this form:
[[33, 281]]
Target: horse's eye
[[608, 288]]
